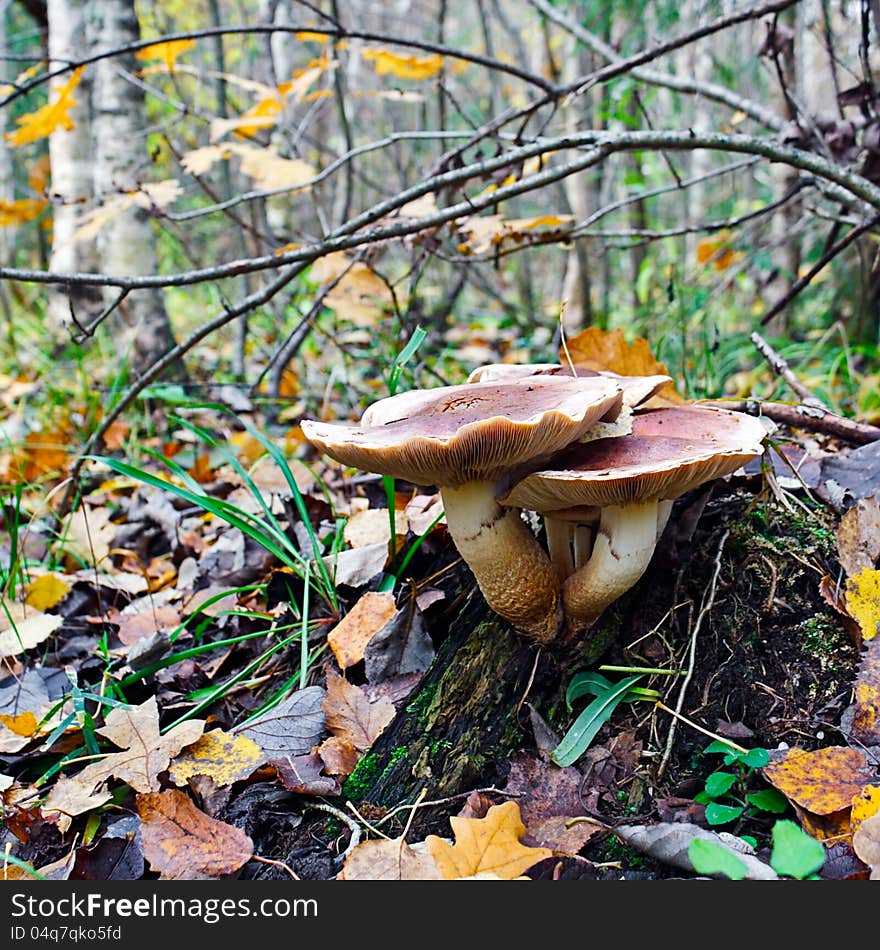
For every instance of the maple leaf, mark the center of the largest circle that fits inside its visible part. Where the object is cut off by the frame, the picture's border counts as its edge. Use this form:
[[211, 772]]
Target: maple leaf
[[54, 115], [167, 52], [145, 753], [390, 860], [486, 846]]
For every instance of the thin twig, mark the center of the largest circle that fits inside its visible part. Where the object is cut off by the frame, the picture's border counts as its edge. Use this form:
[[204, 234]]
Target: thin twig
[[781, 368], [356, 832]]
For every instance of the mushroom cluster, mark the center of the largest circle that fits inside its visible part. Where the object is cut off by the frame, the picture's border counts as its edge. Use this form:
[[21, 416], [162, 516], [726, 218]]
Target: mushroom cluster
[[579, 448]]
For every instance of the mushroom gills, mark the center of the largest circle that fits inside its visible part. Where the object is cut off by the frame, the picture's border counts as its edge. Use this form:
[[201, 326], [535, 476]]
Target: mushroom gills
[[510, 566], [622, 549]]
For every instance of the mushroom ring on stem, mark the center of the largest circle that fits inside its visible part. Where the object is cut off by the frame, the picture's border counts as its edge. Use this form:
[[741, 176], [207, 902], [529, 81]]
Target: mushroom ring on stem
[[632, 480], [469, 441]]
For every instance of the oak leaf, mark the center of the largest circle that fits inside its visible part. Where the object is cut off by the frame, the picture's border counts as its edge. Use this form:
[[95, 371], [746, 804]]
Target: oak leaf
[[179, 840], [489, 845]]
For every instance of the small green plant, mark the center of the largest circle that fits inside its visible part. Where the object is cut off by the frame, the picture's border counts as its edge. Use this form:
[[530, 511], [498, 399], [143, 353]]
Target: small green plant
[[727, 793], [608, 695]]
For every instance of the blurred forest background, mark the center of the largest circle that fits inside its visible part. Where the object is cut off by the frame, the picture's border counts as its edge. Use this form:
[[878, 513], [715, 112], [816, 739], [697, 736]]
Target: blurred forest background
[[273, 196]]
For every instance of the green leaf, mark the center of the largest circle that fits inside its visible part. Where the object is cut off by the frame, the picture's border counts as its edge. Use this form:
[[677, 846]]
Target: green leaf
[[755, 758], [702, 798], [719, 783], [768, 799], [578, 738], [586, 684], [718, 814], [722, 747], [795, 854], [708, 857], [403, 357]]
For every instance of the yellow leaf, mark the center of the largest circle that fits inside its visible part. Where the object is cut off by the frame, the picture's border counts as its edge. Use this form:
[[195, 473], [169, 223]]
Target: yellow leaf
[[307, 36], [46, 591], [270, 171], [20, 80], [359, 294], [20, 211], [865, 804], [717, 250], [223, 757], [824, 781], [24, 724], [54, 115], [38, 176], [391, 860], [863, 600], [489, 845], [167, 52], [403, 66]]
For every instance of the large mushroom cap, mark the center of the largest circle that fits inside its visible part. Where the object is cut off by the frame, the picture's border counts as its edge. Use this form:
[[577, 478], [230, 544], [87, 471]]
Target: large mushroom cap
[[636, 389], [668, 452], [472, 432]]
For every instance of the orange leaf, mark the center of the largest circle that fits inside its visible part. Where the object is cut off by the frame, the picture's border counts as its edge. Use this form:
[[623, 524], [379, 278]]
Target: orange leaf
[[486, 846], [349, 638], [609, 350], [20, 211], [351, 716], [180, 841], [403, 66]]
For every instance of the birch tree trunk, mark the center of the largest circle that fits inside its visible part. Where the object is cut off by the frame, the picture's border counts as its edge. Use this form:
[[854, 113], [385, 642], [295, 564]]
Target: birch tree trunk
[[70, 156], [126, 244]]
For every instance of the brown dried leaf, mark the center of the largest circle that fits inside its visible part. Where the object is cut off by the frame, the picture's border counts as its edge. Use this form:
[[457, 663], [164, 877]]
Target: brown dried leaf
[[349, 638], [862, 718], [223, 757], [608, 350], [391, 860], [372, 526], [178, 839], [350, 715], [290, 728], [823, 781], [866, 844], [489, 845], [137, 625], [22, 628], [339, 756], [303, 775]]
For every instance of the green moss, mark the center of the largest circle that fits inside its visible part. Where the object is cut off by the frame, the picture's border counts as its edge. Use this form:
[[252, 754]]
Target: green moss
[[824, 639], [371, 768]]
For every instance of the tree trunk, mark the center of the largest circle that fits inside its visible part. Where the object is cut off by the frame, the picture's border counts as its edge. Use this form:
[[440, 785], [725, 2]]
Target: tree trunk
[[127, 244], [70, 154]]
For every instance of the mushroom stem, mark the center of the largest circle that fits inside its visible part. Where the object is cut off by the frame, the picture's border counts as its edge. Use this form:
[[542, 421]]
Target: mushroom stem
[[664, 510], [559, 537], [511, 568], [583, 544], [622, 550]]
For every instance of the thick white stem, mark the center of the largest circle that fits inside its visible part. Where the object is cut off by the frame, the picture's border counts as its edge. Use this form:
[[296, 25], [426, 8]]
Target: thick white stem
[[511, 568], [622, 551], [559, 538], [583, 544], [664, 510]]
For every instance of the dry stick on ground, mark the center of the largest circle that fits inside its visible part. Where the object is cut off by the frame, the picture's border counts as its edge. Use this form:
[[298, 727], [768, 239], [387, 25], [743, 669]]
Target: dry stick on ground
[[809, 418], [705, 607], [781, 368]]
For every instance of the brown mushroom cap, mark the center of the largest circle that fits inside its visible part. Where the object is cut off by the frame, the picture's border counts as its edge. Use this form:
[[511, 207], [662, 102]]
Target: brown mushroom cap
[[472, 432], [636, 389], [669, 452]]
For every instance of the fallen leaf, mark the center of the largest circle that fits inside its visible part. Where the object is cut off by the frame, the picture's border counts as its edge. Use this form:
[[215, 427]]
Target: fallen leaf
[[223, 757], [486, 845], [391, 860], [46, 591], [609, 350], [339, 756], [117, 855], [402, 647], [145, 620], [145, 753], [87, 536], [863, 600], [355, 567], [866, 844], [24, 724], [858, 536], [865, 805], [304, 775], [22, 628], [179, 839], [861, 720], [351, 716], [372, 526], [823, 781], [366, 618], [292, 727]]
